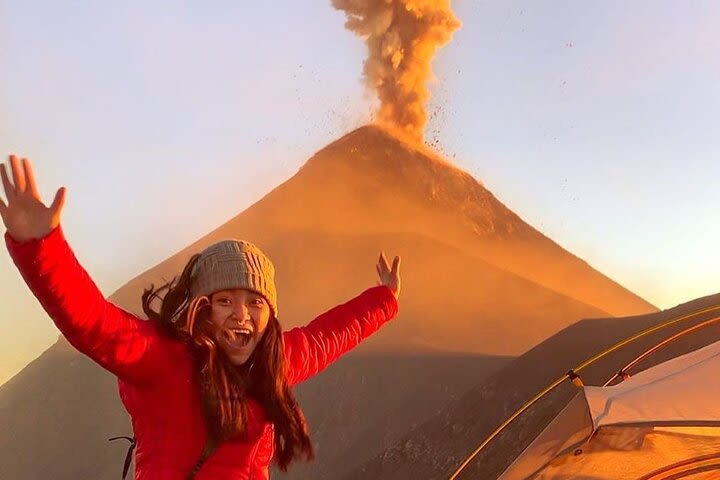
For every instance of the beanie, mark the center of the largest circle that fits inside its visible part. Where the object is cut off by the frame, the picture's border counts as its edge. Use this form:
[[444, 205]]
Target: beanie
[[235, 264]]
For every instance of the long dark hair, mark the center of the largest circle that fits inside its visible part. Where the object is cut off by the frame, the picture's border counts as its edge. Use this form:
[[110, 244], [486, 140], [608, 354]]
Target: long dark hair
[[226, 388]]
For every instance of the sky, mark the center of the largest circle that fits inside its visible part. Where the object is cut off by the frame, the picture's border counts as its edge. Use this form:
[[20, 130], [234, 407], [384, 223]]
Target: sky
[[597, 122]]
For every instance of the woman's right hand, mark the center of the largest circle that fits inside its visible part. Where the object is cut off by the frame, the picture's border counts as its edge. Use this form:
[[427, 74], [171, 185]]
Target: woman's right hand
[[25, 215]]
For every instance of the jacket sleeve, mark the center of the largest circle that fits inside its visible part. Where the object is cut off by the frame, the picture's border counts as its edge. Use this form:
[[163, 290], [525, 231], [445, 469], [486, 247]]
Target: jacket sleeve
[[309, 349], [117, 340]]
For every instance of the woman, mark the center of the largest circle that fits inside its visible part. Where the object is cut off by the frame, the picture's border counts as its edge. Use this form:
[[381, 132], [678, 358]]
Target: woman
[[207, 381]]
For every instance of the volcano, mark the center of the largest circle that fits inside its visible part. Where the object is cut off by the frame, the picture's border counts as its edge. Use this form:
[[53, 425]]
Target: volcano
[[480, 286]]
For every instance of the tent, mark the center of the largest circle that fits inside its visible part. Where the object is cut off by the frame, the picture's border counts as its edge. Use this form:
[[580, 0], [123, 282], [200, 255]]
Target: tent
[[662, 423]]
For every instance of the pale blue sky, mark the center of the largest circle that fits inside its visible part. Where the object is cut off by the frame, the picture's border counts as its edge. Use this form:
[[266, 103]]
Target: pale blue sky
[[597, 122]]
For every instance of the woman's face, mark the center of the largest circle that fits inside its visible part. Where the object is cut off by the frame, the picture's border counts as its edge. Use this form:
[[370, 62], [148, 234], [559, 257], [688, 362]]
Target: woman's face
[[240, 318]]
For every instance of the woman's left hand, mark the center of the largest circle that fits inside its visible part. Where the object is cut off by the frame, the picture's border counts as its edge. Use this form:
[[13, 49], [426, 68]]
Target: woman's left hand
[[389, 276]]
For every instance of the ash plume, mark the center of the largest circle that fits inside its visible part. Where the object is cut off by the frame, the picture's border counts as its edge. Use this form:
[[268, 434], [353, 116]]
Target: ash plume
[[402, 37]]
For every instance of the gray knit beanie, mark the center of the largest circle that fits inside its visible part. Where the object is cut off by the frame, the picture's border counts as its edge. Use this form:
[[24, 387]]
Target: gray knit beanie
[[235, 264]]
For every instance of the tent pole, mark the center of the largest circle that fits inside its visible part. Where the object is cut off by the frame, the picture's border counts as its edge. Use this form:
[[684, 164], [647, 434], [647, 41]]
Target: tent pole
[[582, 366]]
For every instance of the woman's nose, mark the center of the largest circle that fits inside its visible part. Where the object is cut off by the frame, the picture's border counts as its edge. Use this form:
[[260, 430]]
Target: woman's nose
[[242, 312]]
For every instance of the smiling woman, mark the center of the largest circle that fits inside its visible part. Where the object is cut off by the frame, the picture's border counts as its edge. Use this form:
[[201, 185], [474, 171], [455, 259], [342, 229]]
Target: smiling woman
[[207, 380]]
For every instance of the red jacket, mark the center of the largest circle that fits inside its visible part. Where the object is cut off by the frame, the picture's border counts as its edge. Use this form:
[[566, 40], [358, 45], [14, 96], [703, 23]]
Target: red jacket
[[156, 379]]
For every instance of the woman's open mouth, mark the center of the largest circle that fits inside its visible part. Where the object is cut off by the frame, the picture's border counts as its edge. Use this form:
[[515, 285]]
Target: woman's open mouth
[[238, 337]]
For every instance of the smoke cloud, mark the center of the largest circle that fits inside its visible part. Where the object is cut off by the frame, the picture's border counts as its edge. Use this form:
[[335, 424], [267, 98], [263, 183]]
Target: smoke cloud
[[402, 37]]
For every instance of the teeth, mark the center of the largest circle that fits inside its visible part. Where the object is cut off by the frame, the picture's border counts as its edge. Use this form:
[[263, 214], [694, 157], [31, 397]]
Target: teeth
[[238, 333]]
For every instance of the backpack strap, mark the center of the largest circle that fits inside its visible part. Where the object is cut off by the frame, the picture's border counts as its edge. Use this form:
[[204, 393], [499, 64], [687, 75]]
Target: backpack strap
[[209, 449], [128, 456]]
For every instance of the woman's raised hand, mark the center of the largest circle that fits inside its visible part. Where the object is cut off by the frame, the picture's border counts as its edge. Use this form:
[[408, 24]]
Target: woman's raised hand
[[389, 275], [22, 210]]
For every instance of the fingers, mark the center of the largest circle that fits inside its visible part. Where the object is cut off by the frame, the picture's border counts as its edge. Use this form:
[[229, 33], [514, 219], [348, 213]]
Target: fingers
[[17, 173], [3, 209], [395, 266], [58, 202], [31, 185], [383, 266], [383, 262], [389, 277], [7, 186]]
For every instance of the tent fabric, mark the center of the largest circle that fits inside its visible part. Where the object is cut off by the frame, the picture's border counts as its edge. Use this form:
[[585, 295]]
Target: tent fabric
[[572, 425], [633, 453], [684, 389], [664, 419]]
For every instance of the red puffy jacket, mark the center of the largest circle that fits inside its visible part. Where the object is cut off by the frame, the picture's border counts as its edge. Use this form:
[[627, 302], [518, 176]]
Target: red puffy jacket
[[156, 379]]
